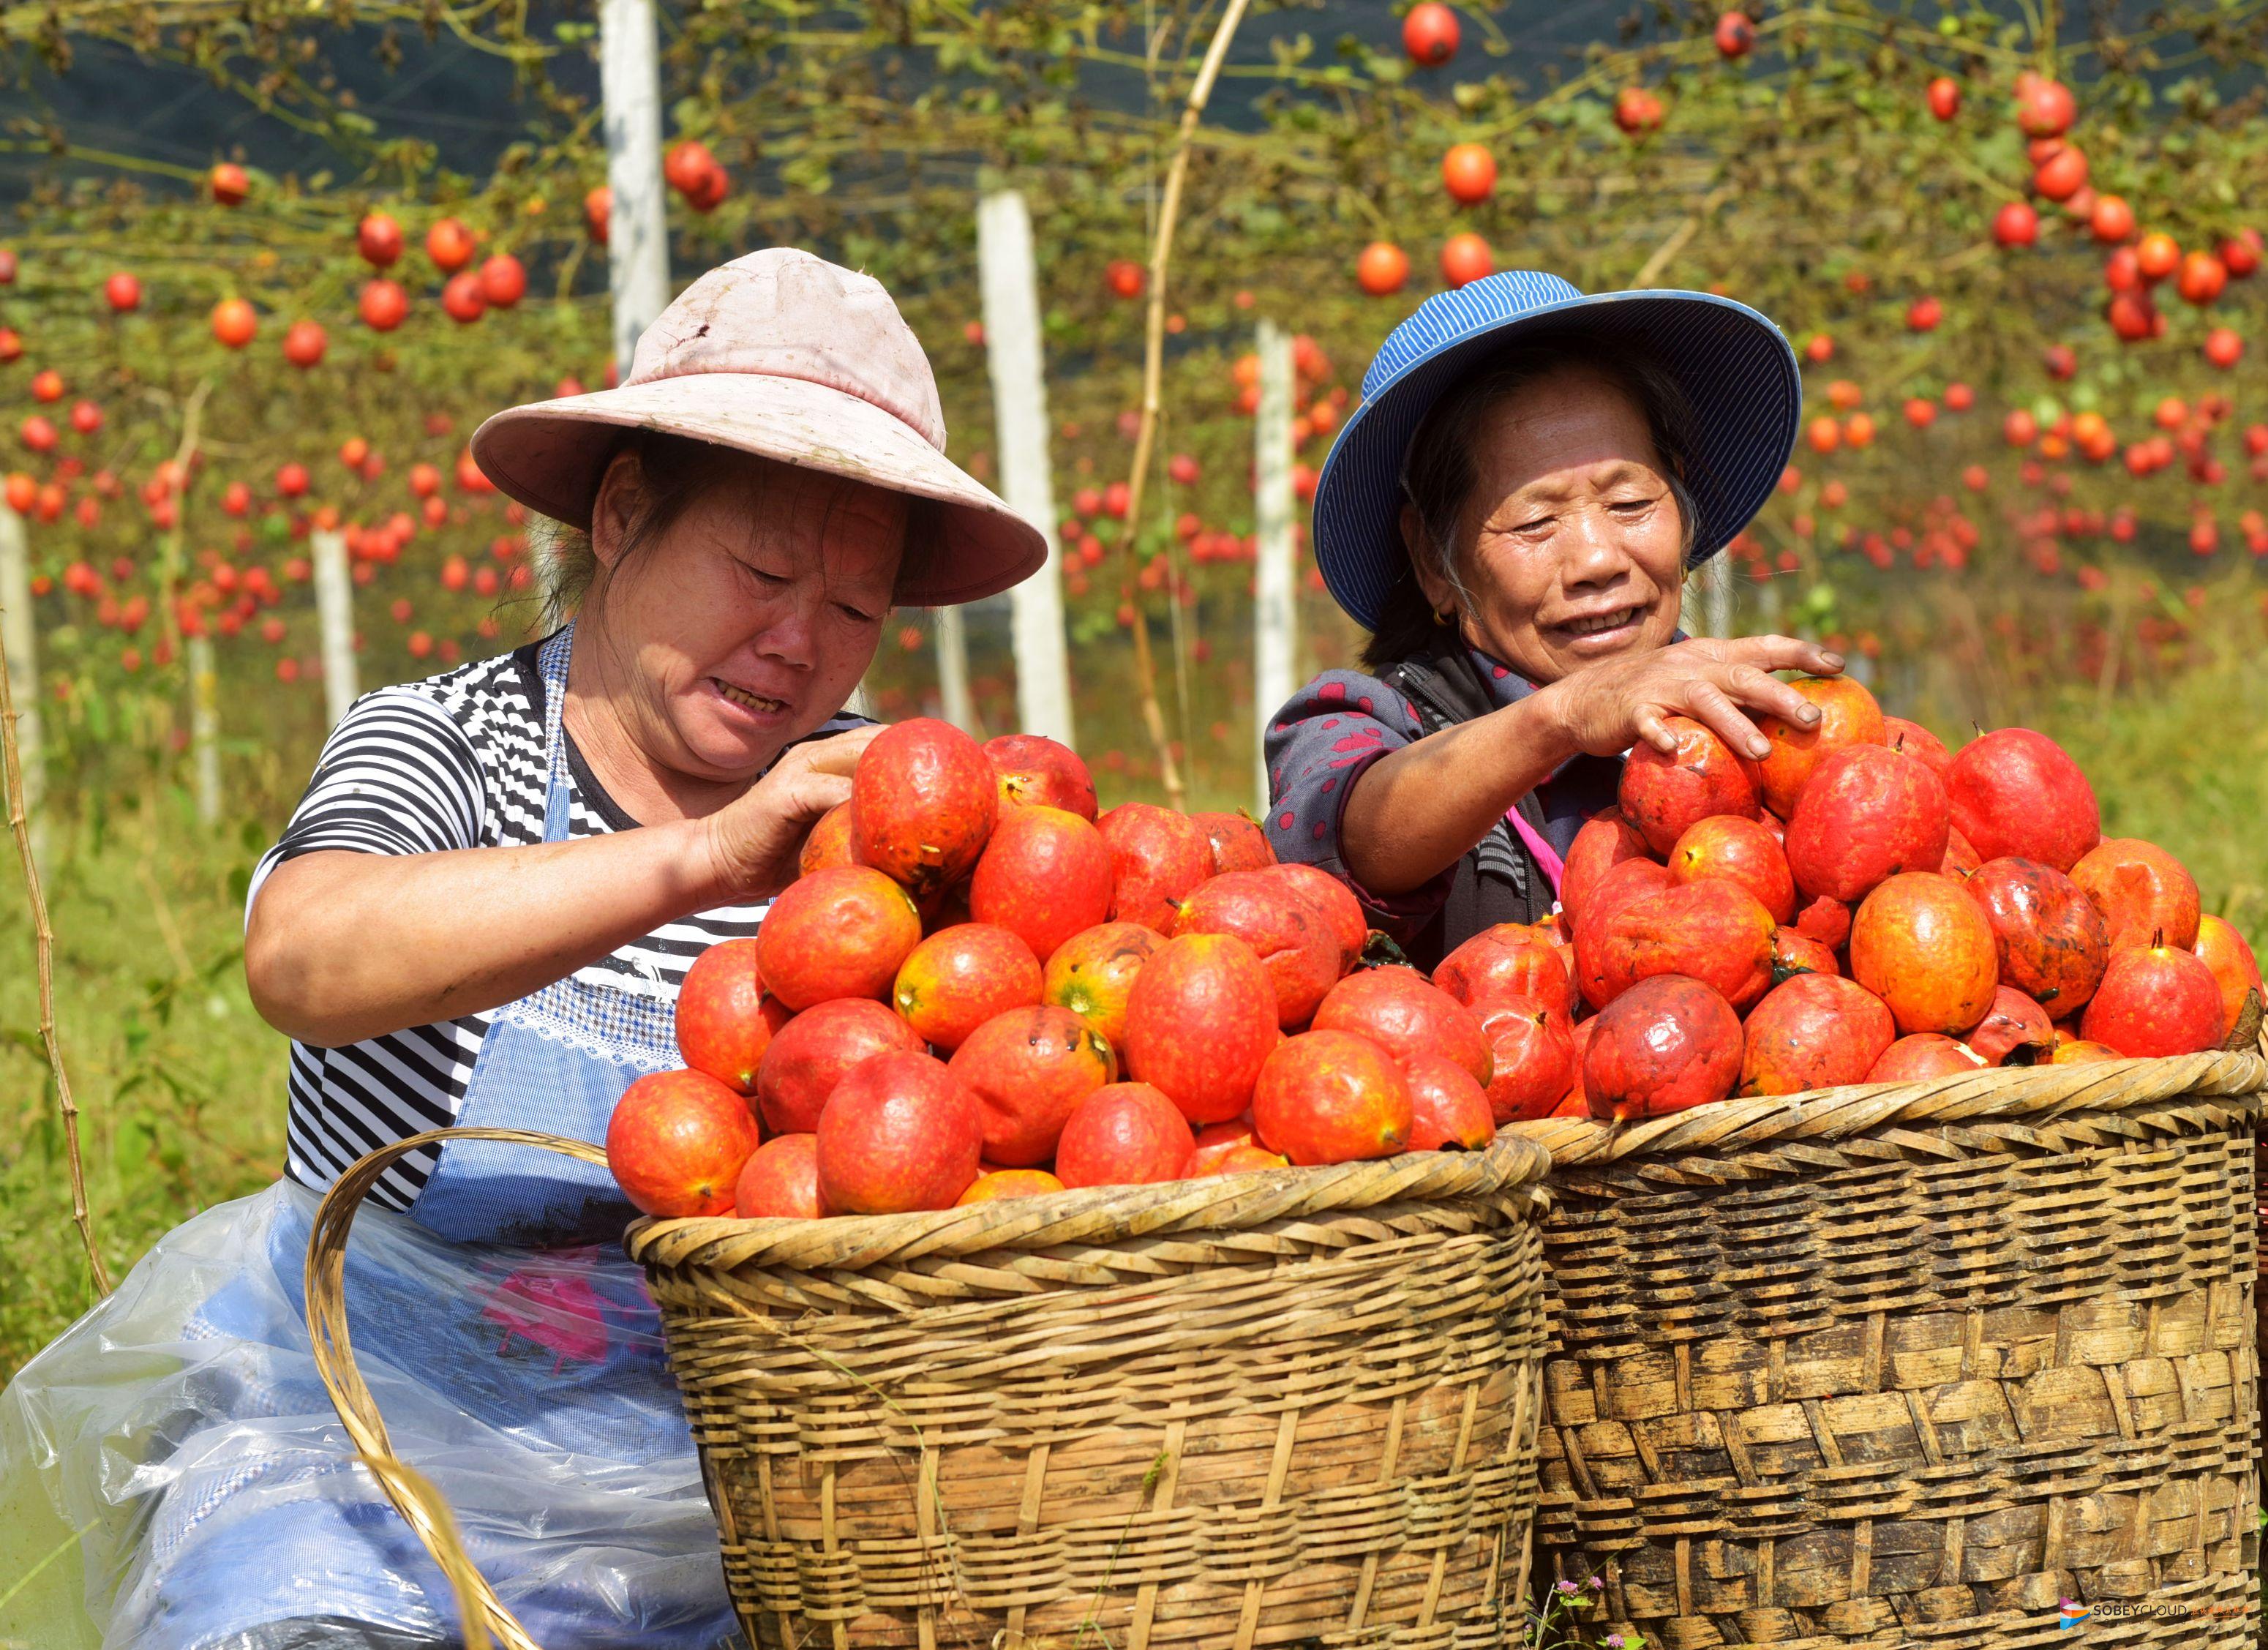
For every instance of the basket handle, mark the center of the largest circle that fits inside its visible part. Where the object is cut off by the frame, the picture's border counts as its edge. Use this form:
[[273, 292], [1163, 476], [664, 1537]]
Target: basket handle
[[418, 1502]]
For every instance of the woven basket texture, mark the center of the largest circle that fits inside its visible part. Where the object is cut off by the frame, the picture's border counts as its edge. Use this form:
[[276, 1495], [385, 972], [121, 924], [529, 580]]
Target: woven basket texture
[[1294, 1406], [1912, 1365]]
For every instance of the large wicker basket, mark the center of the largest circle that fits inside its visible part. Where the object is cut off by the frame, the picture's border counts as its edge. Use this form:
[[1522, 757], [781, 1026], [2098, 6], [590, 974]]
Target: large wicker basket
[[1291, 1406], [1912, 1365]]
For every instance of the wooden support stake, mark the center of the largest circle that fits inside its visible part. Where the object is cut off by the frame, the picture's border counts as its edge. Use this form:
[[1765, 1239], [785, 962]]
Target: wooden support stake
[[952, 670], [20, 631], [335, 611], [637, 228], [1275, 637], [204, 728]]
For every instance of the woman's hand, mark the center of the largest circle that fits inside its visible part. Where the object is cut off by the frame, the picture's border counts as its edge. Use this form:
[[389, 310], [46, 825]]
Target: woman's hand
[[754, 840], [1609, 707]]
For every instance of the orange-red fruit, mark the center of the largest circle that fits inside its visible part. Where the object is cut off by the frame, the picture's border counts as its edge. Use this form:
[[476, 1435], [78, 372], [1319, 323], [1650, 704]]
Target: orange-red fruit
[[1200, 1021], [1868, 812], [1237, 843], [1032, 768], [1825, 920], [725, 1021], [1509, 960], [1926, 1054], [1397, 1009], [1961, 857], [2016, 793], [676, 1141], [828, 843], [843, 931], [1662, 796], [2052, 938], [1448, 1111], [1092, 973], [1342, 911], [1158, 858], [961, 976], [780, 1181], [2015, 1030], [1282, 928], [1044, 876], [1794, 952], [1605, 841], [1331, 1097], [1666, 1044], [1009, 1182], [1124, 1134], [2146, 895], [2155, 1001], [2080, 1051], [1848, 715], [810, 1054], [899, 1132], [1919, 742], [1531, 1056], [2224, 951], [922, 801], [1028, 1068], [1713, 931], [1741, 852], [1815, 1031], [1923, 945], [1216, 1141]]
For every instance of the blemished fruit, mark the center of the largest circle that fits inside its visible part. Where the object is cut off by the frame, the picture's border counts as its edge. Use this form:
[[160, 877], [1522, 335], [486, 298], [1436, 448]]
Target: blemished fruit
[[2015, 1030], [1605, 841], [1158, 858], [1664, 795], [2146, 895], [1926, 1054], [2051, 939], [1448, 1111], [1124, 1134], [1093, 972], [1667, 1044], [676, 1141], [1200, 1021], [1340, 909], [1531, 1057], [1848, 715], [1331, 1097], [2156, 1000], [1217, 1141], [961, 977], [1044, 876], [1396, 1008], [923, 802], [1918, 741], [1923, 945], [2079, 1051], [810, 1054], [2223, 950], [2017, 793], [1028, 1069], [1814, 1031], [1009, 1182], [1795, 953], [1034, 768], [1509, 960], [828, 843], [1711, 931], [1284, 929], [1741, 852], [1866, 814], [1237, 843], [843, 931], [725, 1021], [780, 1181], [899, 1132], [1825, 920]]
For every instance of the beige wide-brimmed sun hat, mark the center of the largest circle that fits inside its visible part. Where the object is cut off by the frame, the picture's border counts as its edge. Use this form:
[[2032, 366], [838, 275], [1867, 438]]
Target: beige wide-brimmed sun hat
[[786, 355]]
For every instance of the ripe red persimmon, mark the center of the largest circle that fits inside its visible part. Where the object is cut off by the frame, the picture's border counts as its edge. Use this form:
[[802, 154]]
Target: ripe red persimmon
[[1381, 269], [377, 238], [384, 305], [1469, 172], [1429, 34], [1466, 258]]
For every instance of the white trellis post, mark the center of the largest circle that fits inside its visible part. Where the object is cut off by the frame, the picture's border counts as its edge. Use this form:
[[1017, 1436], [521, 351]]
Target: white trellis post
[[1712, 583], [204, 727], [1010, 279], [637, 229], [20, 634], [952, 670], [1273, 616], [335, 611]]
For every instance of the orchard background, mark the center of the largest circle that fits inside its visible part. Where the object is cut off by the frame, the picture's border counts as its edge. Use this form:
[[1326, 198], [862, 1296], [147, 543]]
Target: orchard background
[[2016, 250]]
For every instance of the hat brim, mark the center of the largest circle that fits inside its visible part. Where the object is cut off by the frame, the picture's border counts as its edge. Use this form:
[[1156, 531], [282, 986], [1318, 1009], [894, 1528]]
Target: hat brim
[[1736, 369], [551, 455]]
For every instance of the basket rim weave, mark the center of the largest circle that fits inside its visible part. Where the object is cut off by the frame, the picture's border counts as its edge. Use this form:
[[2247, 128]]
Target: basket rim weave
[[1090, 1216], [1787, 1131]]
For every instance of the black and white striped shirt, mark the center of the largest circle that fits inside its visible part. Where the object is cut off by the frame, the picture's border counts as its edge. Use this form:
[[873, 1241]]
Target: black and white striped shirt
[[455, 761]]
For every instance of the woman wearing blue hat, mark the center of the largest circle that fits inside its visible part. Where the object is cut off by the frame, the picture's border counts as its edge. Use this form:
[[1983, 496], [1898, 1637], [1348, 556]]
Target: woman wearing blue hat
[[1511, 512]]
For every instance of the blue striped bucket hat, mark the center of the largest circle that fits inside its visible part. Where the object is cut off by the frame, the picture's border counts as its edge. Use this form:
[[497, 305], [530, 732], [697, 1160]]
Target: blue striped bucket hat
[[1737, 371]]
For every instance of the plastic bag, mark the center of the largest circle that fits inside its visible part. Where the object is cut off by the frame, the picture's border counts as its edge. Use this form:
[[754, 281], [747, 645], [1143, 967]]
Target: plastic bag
[[181, 1423]]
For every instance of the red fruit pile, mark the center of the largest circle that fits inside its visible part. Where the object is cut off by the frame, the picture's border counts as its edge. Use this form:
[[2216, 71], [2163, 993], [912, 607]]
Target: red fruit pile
[[978, 989]]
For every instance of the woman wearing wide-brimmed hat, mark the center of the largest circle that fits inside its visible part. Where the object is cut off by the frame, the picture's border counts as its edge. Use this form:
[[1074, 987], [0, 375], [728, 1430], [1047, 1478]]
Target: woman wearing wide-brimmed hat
[[1511, 512], [480, 915]]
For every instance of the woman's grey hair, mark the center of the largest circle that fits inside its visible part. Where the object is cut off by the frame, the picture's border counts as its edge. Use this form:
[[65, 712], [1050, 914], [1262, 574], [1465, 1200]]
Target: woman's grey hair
[[1439, 474], [678, 469]]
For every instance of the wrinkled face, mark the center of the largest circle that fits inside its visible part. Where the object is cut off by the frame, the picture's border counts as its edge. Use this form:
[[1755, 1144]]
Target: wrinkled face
[[748, 622], [1570, 545]]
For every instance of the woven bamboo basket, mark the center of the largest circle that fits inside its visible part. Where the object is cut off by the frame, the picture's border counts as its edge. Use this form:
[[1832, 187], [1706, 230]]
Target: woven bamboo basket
[[1911, 1364], [1297, 1406]]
